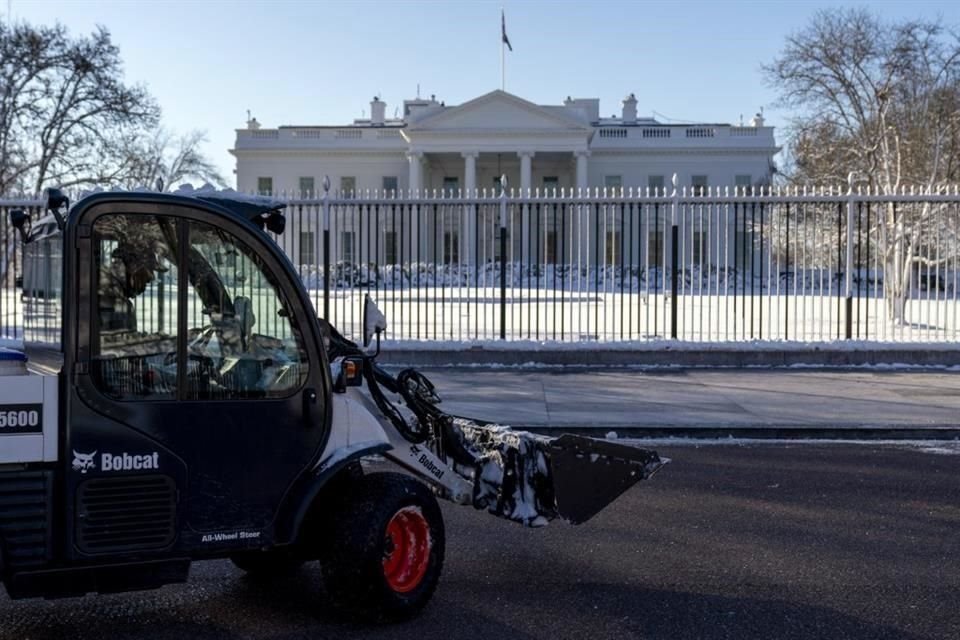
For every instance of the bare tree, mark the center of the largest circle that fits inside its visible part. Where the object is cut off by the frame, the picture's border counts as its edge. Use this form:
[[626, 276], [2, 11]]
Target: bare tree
[[881, 101], [170, 158], [63, 107]]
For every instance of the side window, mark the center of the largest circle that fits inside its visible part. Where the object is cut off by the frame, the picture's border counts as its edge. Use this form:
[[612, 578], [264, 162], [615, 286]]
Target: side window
[[134, 342], [242, 338]]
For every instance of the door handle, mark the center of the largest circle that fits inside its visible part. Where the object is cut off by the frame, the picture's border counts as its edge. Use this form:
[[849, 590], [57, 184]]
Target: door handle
[[309, 401]]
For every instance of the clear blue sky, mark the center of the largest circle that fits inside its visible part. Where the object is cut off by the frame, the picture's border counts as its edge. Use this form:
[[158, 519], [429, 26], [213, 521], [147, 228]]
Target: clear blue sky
[[307, 63]]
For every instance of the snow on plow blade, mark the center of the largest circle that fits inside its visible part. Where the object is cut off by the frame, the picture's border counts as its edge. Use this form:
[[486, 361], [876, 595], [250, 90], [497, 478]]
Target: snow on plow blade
[[532, 479]]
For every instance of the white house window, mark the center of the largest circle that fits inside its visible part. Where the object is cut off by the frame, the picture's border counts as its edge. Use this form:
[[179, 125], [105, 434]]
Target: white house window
[[265, 186], [699, 247], [655, 184], [698, 185], [390, 247], [451, 247], [613, 236], [743, 251], [451, 185], [554, 227], [390, 185], [743, 182], [306, 186], [613, 182], [550, 185], [655, 249], [551, 250], [348, 186], [308, 248], [613, 249], [496, 242], [347, 253]]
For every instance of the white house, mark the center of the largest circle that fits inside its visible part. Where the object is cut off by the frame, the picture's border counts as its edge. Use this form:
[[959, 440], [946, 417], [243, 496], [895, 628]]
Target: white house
[[464, 149], [433, 146]]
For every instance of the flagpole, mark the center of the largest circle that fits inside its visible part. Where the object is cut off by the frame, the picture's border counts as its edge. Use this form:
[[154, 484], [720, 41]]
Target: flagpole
[[503, 75]]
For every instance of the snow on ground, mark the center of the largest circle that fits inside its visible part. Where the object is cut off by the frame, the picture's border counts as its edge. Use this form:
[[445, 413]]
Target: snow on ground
[[542, 319]]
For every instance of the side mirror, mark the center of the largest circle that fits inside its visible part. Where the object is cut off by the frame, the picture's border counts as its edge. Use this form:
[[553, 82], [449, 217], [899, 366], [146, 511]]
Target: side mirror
[[276, 223], [374, 322], [56, 200], [20, 220]]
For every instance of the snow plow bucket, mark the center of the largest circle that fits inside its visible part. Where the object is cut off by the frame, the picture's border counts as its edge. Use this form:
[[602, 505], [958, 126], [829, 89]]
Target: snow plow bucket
[[533, 479], [588, 474]]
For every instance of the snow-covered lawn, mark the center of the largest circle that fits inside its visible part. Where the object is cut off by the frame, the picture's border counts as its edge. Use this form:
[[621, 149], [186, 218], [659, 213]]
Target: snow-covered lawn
[[461, 314]]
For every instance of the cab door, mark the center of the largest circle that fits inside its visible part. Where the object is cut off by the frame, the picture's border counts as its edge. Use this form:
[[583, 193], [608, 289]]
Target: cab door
[[202, 367]]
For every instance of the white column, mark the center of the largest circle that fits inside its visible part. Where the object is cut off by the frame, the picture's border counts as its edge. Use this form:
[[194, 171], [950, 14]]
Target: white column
[[415, 158], [469, 172], [419, 215], [582, 227], [526, 180], [468, 217], [581, 169], [526, 171]]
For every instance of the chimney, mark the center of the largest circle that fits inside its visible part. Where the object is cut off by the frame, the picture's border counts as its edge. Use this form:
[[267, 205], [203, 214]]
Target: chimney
[[630, 109], [377, 110]]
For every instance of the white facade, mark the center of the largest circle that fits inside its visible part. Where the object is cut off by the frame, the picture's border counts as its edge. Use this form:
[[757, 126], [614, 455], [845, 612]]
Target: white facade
[[467, 147]]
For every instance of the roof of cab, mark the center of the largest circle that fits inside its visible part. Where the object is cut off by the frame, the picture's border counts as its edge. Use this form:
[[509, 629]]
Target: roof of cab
[[249, 207]]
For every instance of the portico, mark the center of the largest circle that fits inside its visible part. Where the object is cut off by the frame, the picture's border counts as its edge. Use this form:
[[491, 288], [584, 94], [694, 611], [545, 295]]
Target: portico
[[470, 146]]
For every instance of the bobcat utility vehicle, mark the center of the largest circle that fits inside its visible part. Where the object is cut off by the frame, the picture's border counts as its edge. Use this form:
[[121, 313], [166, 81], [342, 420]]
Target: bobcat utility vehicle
[[177, 399]]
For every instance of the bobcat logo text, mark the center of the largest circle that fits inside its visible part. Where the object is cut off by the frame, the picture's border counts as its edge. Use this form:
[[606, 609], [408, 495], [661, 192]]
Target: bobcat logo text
[[84, 462]]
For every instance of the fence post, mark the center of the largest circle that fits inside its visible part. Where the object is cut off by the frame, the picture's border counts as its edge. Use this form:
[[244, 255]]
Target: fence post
[[848, 259], [674, 250], [503, 257], [326, 248]]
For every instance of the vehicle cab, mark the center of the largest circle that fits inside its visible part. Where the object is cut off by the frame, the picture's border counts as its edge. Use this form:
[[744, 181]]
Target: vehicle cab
[[177, 399]]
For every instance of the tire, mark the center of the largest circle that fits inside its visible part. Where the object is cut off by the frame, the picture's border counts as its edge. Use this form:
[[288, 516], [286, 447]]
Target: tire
[[275, 563], [382, 548]]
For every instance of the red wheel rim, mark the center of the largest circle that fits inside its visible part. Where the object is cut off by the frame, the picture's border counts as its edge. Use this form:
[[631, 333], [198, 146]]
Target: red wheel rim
[[407, 553]]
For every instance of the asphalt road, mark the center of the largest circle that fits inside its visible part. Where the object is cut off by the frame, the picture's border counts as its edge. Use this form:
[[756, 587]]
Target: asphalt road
[[757, 541]]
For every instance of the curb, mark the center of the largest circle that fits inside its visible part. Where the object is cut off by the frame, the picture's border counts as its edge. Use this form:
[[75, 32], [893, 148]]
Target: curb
[[864, 433], [679, 358]]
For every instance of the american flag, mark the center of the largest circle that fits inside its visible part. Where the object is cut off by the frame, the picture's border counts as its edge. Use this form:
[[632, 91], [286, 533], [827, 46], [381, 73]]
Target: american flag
[[503, 30]]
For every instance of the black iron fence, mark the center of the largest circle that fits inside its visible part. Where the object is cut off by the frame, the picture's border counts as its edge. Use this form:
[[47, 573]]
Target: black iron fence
[[702, 267]]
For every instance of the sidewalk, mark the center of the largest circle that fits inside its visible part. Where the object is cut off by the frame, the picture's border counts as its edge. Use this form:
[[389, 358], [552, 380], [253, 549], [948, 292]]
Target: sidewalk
[[768, 403]]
